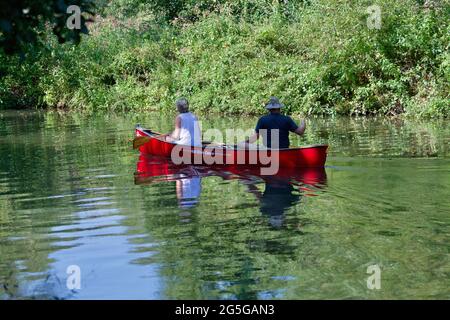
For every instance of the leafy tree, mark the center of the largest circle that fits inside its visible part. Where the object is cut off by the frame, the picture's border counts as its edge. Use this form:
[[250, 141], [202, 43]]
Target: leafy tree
[[22, 21], [190, 9]]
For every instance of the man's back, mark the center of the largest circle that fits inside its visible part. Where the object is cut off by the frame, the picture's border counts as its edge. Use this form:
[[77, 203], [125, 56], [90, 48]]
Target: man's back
[[274, 121], [190, 130]]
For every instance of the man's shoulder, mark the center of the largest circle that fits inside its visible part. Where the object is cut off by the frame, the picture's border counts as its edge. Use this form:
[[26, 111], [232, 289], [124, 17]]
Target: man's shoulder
[[188, 115], [193, 115], [265, 117], [286, 117]]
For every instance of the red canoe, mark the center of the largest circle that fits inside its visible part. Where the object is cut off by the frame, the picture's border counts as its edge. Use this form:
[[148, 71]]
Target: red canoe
[[209, 154]]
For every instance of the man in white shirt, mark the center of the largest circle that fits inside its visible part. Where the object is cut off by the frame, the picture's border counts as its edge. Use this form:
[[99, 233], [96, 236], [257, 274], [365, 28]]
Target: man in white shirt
[[187, 130]]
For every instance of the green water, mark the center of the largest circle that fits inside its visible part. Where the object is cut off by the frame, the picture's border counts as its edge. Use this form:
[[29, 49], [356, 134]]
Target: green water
[[68, 196]]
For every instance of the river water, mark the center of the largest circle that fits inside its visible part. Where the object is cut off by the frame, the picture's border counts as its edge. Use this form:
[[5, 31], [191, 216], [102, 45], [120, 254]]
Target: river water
[[71, 199]]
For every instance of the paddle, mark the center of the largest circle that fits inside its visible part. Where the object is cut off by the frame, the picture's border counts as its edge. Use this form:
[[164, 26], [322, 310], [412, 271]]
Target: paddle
[[139, 141]]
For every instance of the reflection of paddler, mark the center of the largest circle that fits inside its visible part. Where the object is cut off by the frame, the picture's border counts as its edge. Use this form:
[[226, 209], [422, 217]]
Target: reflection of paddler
[[189, 190], [277, 198]]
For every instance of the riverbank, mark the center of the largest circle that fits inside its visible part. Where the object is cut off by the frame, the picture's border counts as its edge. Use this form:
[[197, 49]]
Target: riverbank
[[321, 58]]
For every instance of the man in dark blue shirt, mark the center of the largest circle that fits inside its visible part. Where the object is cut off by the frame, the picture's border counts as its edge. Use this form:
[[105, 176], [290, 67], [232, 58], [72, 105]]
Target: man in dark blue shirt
[[275, 125]]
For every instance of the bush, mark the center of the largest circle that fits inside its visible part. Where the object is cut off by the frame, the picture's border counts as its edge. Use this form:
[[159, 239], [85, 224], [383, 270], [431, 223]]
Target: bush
[[319, 57]]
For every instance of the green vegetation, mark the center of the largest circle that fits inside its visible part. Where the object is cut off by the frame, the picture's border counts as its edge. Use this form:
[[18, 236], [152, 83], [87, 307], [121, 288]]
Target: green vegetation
[[22, 21], [318, 56]]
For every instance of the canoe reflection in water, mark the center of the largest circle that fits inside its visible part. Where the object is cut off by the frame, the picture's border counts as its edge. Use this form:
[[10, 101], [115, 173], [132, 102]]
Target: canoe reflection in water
[[281, 191]]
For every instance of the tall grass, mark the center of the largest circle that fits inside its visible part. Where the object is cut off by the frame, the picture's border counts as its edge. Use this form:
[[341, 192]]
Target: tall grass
[[318, 56]]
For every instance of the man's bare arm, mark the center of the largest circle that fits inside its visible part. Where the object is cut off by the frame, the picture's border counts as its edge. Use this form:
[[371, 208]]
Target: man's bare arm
[[301, 129], [252, 138], [176, 133]]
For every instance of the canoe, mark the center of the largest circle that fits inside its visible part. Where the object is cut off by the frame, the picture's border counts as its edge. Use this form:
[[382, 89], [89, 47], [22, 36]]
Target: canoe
[[232, 155]]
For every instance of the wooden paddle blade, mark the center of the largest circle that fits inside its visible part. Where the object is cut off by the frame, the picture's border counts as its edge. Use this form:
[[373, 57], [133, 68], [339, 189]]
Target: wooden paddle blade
[[139, 141]]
